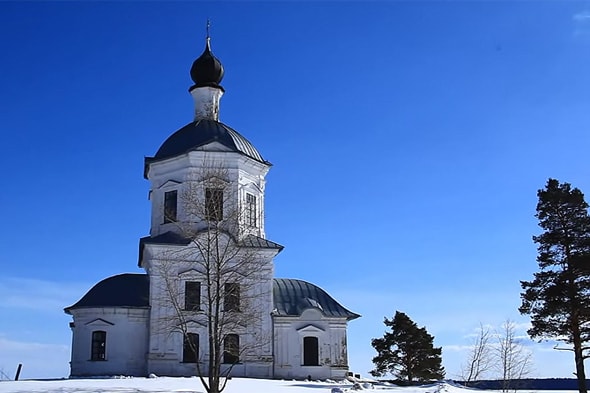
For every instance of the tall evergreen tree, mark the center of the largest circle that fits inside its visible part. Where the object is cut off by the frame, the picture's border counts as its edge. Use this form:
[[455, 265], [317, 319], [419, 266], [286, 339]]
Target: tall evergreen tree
[[407, 352], [558, 298]]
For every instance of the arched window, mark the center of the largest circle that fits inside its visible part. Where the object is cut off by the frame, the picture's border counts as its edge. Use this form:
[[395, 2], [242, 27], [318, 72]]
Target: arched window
[[231, 349], [98, 349], [311, 351], [190, 348]]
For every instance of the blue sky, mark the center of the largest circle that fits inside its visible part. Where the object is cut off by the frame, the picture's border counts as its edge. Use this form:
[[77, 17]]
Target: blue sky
[[408, 141]]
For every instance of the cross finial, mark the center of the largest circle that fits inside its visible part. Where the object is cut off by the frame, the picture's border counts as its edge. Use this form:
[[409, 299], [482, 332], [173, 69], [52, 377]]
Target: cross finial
[[208, 27]]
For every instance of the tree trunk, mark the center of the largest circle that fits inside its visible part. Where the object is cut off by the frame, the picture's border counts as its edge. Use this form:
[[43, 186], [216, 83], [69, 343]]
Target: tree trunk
[[580, 373]]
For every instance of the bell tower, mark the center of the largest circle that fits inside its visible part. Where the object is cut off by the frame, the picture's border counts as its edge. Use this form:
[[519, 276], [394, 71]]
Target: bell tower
[[207, 171]]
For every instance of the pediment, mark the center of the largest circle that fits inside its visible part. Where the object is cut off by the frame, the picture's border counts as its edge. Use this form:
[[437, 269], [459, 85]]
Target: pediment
[[214, 180], [251, 186], [310, 329], [99, 322], [214, 146], [190, 273], [169, 183]]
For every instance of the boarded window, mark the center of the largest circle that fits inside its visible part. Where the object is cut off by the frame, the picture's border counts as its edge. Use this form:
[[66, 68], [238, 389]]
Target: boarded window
[[231, 299], [310, 351], [190, 348], [170, 206], [231, 349], [213, 204], [192, 295], [99, 345]]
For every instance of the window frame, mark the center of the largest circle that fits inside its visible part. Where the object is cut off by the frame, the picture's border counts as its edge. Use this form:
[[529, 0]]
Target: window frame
[[98, 346], [192, 297], [229, 341], [214, 204], [170, 210], [190, 355], [251, 210], [231, 296]]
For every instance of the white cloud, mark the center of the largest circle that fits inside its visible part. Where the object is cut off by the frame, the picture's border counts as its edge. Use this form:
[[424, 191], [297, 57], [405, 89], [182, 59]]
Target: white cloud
[[39, 360], [582, 23], [37, 294], [457, 348], [583, 16]]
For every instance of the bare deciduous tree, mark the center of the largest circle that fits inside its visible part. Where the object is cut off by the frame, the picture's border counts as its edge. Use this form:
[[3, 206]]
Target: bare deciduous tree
[[215, 284], [480, 359], [514, 360]]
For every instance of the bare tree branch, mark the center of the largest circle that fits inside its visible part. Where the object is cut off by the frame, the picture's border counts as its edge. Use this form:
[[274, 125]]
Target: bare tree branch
[[480, 359], [225, 326], [514, 360]]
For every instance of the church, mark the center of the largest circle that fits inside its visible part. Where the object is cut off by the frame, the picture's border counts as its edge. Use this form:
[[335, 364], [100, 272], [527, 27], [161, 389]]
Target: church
[[208, 296]]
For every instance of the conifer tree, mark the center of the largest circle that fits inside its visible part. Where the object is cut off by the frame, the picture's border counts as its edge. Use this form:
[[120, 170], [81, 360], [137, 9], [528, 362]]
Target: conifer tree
[[407, 352], [558, 298]]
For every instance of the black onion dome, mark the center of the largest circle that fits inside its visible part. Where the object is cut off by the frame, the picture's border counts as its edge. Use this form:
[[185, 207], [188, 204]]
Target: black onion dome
[[207, 70]]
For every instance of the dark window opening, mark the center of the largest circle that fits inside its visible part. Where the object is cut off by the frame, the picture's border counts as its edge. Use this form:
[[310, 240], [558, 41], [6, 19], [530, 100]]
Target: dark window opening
[[310, 351], [99, 345], [190, 348], [250, 210], [170, 206], [231, 299], [213, 204], [192, 295], [231, 349]]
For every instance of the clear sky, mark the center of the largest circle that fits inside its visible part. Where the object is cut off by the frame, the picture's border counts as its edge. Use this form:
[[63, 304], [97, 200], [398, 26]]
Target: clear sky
[[408, 141]]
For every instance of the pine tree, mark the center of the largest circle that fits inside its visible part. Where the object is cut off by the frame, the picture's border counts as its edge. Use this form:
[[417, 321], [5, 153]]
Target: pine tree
[[558, 298], [407, 352]]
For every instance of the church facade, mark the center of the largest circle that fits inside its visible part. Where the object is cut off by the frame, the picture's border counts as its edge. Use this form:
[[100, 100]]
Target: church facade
[[208, 291]]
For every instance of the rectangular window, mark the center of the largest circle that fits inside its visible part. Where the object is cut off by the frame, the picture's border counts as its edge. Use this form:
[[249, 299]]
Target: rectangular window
[[250, 210], [213, 204], [231, 349], [190, 348], [99, 345], [231, 300], [170, 206], [192, 296]]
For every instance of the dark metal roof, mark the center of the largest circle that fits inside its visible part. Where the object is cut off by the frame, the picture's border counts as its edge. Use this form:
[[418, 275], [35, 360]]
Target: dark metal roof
[[253, 241], [165, 238], [124, 290], [249, 241], [291, 297], [200, 133]]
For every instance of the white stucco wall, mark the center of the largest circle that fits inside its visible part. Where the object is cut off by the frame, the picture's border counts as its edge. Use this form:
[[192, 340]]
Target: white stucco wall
[[178, 264], [289, 333], [126, 341], [245, 175]]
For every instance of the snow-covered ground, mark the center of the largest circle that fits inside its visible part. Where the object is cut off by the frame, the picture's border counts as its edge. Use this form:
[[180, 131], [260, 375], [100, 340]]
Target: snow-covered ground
[[192, 385]]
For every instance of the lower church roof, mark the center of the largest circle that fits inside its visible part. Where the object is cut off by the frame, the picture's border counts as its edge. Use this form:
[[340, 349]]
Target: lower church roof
[[250, 241], [124, 290], [291, 297]]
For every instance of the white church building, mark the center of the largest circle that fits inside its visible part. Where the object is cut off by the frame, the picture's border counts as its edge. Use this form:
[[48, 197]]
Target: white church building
[[122, 325]]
